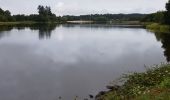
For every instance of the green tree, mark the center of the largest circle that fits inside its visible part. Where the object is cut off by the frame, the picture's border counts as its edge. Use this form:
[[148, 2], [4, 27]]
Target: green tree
[[5, 15], [167, 14], [41, 10], [45, 14]]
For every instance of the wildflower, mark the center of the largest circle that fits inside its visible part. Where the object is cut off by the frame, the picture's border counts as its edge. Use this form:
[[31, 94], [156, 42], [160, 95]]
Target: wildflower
[[144, 92], [139, 92], [148, 91]]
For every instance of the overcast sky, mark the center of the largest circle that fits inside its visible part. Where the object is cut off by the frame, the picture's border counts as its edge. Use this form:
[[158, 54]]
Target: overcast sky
[[79, 7]]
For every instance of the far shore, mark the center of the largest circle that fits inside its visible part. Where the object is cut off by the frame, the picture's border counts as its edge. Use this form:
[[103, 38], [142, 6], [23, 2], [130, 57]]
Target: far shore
[[80, 21], [27, 23], [134, 24], [76, 22]]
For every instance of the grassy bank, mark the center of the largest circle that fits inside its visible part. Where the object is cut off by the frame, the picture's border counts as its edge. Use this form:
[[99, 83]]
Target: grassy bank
[[155, 27], [17, 23], [154, 84]]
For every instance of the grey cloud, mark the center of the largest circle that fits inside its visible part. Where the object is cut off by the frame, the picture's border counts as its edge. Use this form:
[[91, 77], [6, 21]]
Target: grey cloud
[[77, 7]]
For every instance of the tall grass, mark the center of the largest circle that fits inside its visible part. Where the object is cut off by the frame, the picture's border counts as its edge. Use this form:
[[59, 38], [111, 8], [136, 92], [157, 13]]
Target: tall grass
[[158, 28]]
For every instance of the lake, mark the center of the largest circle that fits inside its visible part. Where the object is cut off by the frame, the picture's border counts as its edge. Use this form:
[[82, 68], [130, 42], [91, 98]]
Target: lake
[[44, 62]]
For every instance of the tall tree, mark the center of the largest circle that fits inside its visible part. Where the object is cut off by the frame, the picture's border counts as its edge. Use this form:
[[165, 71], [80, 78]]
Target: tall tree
[[41, 10], [167, 14], [45, 11], [5, 15], [45, 14], [168, 6]]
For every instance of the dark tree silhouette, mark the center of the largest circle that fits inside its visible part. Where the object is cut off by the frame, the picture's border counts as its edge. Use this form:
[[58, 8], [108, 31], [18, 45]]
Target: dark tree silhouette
[[157, 17], [168, 6], [5, 15], [45, 14], [45, 11], [164, 38], [167, 13]]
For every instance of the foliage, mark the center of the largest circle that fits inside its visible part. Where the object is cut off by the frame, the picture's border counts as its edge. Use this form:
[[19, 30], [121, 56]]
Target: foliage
[[157, 17], [165, 83], [155, 94], [161, 17], [5, 15], [45, 15], [106, 17], [142, 86], [167, 13], [44, 11], [158, 28]]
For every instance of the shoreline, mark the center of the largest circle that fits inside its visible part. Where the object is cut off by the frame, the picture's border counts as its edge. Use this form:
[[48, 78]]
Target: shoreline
[[123, 23], [121, 91], [28, 23], [150, 85], [155, 27]]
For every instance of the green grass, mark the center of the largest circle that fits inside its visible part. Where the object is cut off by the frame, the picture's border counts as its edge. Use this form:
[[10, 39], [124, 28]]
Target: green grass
[[155, 27], [154, 84]]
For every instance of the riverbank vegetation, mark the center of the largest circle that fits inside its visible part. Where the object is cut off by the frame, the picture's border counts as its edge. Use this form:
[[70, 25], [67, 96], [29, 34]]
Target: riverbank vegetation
[[161, 17], [159, 21], [154, 84], [156, 27], [44, 16]]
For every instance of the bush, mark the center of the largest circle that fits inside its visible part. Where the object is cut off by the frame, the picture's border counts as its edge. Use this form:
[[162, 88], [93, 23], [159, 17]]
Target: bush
[[165, 83], [143, 86], [158, 28]]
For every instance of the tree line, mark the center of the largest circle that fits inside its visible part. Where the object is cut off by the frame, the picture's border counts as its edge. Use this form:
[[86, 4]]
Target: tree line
[[44, 15], [106, 17], [162, 17], [5, 15]]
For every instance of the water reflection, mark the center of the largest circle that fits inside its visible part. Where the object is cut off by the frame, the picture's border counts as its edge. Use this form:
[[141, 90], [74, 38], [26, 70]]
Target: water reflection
[[45, 30], [4, 30], [165, 40], [72, 60], [104, 26]]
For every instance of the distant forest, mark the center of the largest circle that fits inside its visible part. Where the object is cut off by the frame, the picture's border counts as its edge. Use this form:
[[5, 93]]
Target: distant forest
[[45, 15], [106, 17]]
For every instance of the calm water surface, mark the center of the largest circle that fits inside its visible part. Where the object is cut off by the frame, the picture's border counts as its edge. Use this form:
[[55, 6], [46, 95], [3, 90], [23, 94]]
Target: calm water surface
[[45, 62]]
